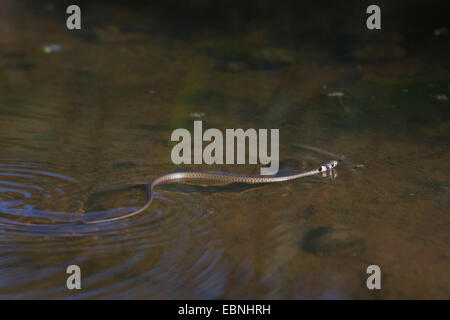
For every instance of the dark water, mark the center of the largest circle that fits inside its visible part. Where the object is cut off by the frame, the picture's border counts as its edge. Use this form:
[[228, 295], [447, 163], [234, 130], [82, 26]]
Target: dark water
[[82, 119]]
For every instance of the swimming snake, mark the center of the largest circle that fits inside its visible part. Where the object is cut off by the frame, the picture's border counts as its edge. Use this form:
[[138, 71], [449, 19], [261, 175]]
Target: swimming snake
[[176, 177]]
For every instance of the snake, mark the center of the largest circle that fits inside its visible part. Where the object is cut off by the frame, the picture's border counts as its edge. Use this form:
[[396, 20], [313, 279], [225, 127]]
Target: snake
[[177, 177]]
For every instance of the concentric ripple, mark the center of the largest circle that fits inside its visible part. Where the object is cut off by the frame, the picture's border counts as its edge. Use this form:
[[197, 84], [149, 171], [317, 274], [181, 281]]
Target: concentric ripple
[[36, 204], [42, 212]]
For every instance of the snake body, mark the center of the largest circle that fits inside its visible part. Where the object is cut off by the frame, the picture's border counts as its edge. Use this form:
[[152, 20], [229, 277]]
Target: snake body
[[230, 178]]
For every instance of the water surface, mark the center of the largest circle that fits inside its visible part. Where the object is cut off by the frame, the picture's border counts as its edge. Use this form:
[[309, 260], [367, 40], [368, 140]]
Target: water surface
[[83, 127]]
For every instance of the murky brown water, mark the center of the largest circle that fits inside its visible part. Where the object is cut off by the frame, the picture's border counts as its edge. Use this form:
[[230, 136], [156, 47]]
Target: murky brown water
[[80, 123]]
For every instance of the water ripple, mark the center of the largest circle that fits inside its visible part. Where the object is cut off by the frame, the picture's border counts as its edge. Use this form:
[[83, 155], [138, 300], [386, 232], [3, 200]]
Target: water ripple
[[42, 213]]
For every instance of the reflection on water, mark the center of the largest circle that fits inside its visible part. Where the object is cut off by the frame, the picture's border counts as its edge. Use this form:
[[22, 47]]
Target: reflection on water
[[82, 129]]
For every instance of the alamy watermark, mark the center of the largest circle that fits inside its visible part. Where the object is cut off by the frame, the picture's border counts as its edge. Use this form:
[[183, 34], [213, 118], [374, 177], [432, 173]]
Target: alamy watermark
[[74, 280], [73, 22], [213, 153], [373, 22], [374, 280]]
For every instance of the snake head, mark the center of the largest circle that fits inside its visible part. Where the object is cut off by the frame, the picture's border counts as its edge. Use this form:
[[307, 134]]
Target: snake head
[[328, 165]]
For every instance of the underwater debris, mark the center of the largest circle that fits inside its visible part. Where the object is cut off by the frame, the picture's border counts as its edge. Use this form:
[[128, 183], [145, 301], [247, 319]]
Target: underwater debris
[[335, 94], [197, 115], [440, 31], [49, 48]]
